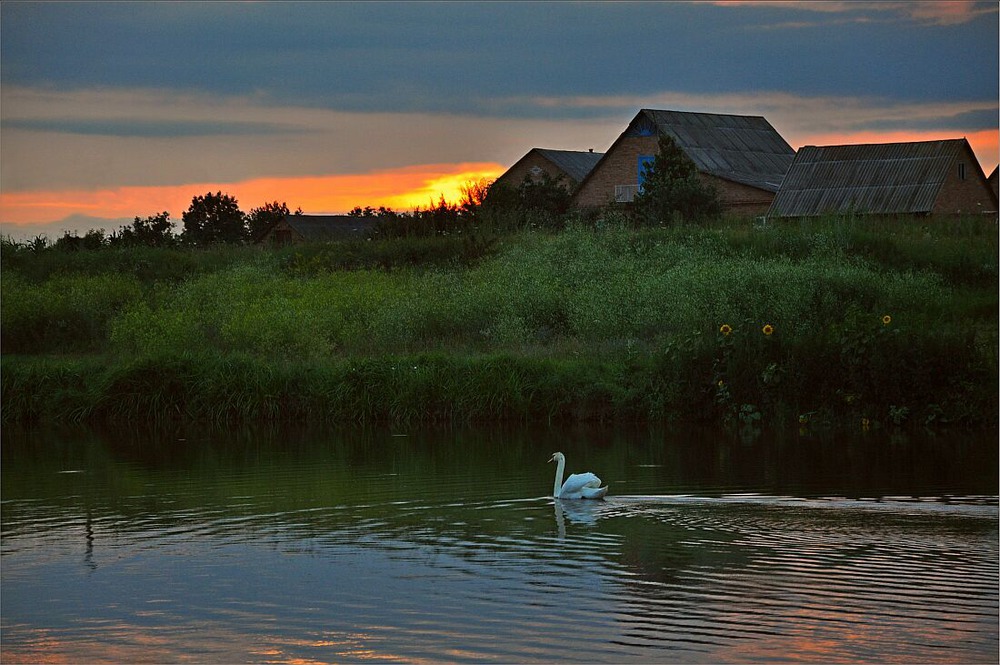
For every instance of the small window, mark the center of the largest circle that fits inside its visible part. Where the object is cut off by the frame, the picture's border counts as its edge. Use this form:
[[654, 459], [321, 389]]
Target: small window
[[961, 170]]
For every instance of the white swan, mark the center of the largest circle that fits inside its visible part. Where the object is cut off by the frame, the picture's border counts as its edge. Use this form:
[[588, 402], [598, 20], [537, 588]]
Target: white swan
[[578, 485]]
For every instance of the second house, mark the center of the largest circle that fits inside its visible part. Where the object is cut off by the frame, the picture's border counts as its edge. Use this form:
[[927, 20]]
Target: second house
[[742, 156]]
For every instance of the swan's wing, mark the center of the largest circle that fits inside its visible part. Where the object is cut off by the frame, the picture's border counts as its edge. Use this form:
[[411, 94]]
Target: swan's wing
[[577, 482], [594, 492]]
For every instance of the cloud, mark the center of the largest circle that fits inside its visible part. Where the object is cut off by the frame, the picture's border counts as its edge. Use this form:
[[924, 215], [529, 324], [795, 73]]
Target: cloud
[[296, 141], [935, 12], [801, 118], [463, 58], [146, 128]]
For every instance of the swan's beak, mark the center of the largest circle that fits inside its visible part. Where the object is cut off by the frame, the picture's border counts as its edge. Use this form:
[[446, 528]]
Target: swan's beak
[[553, 458]]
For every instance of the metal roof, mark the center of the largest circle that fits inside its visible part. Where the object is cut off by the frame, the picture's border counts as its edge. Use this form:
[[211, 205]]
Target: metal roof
[[741, 148], [878, 178], [575, 163]]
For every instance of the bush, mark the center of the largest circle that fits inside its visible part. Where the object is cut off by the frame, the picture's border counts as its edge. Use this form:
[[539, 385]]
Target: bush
[[64, 313]]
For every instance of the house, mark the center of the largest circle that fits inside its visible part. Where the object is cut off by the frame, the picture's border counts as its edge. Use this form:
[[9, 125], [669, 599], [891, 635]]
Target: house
[[317, 228], [572, 165], [742, 156], [916, 178], [993, 181]]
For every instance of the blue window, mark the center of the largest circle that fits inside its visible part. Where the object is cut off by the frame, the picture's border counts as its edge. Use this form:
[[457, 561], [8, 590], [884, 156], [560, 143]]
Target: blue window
[[644, 161]]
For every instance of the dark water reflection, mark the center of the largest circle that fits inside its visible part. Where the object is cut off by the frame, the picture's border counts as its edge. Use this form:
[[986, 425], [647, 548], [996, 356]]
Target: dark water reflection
[[333, 546]]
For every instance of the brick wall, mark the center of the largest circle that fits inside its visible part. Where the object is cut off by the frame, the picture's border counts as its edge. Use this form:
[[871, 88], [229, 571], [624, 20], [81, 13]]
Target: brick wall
[[620, 166], [971, 195], [740, 200]]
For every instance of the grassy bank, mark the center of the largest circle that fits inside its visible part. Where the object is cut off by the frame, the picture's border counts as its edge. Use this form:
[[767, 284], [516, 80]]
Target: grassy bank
[[824, 322]]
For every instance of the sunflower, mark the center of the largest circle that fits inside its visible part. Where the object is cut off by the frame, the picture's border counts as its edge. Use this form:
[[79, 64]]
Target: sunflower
[[886, 320], [725, 329], [768, 330]]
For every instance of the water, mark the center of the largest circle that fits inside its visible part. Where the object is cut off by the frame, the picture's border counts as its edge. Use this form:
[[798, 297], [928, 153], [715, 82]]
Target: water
[[431, 546]]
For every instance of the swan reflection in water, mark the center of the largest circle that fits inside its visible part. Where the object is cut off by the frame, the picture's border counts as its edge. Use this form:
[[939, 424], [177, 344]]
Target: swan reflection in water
[[585, 513]]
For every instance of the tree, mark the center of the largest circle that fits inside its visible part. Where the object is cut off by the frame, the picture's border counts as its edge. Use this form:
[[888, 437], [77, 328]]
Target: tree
[[545, 193], [153, 231], [71, 242], [214, 218], [474, 193], [672, 189], [261, 219], [540, 201]]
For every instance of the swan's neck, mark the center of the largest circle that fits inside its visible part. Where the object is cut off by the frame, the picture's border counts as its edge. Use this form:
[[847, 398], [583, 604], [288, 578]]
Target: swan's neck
[[557, 486]]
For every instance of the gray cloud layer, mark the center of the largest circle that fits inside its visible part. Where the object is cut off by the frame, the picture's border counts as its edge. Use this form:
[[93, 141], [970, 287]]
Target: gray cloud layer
[[479, 58]]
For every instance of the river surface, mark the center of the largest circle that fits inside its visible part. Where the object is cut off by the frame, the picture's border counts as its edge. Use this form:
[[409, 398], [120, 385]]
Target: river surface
[[316, 546]]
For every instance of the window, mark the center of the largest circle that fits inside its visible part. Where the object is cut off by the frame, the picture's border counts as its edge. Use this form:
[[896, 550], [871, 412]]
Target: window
[[961, 170], [644, 161]]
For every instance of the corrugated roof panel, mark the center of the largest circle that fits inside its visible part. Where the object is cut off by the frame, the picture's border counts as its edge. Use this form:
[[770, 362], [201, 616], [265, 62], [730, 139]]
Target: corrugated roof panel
[[877, 178]]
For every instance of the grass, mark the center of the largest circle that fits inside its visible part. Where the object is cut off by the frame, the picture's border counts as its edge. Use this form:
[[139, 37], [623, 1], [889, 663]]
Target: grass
[[602, 323]]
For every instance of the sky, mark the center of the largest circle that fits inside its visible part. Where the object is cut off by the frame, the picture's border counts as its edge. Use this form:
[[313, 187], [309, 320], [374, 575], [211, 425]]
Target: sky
[[116, 110]]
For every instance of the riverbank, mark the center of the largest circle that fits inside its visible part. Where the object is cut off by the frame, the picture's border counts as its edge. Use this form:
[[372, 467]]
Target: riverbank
[[840, 323]]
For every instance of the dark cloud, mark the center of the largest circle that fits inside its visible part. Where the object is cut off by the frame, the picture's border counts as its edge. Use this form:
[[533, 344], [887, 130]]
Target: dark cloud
[[474, 57], [976, 120], [149, 128]]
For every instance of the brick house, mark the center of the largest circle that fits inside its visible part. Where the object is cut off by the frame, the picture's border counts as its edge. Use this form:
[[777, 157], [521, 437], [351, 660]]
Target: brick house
[[742, 156], [292, 229], [916, 178], [572, 165]]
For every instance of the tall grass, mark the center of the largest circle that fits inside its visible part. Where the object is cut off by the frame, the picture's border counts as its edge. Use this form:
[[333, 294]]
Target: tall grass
[[603, 323], [64, 313]]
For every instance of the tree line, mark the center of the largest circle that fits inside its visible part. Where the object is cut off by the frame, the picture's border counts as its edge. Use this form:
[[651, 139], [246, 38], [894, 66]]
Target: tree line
[[210, 219], [671, 192]]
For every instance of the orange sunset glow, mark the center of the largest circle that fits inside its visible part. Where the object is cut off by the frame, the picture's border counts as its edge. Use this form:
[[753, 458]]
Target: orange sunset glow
[[401, 189]]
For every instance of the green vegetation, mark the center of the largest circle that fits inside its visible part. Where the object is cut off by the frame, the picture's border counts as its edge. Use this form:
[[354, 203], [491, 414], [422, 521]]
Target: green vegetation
[[672, 190], [818, 323]]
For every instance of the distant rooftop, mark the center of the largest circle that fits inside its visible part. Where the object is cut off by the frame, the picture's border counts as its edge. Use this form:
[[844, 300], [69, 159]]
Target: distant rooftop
[[577, 164]]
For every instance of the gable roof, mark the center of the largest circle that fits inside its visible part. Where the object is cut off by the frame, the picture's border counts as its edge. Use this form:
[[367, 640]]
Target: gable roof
[[740, 148], [575, 163], [327, 227], [879, 178]]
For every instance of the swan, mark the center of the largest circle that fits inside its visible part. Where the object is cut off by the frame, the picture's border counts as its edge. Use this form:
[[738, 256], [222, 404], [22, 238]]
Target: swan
[[578, 485]]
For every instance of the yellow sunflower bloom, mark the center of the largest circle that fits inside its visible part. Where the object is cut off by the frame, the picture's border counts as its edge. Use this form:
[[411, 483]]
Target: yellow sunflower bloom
[[886, 320], [725, 329], [768, 330]]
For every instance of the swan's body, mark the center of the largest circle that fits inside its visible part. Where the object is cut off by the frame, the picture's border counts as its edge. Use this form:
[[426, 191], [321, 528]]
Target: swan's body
[[578, 485]]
